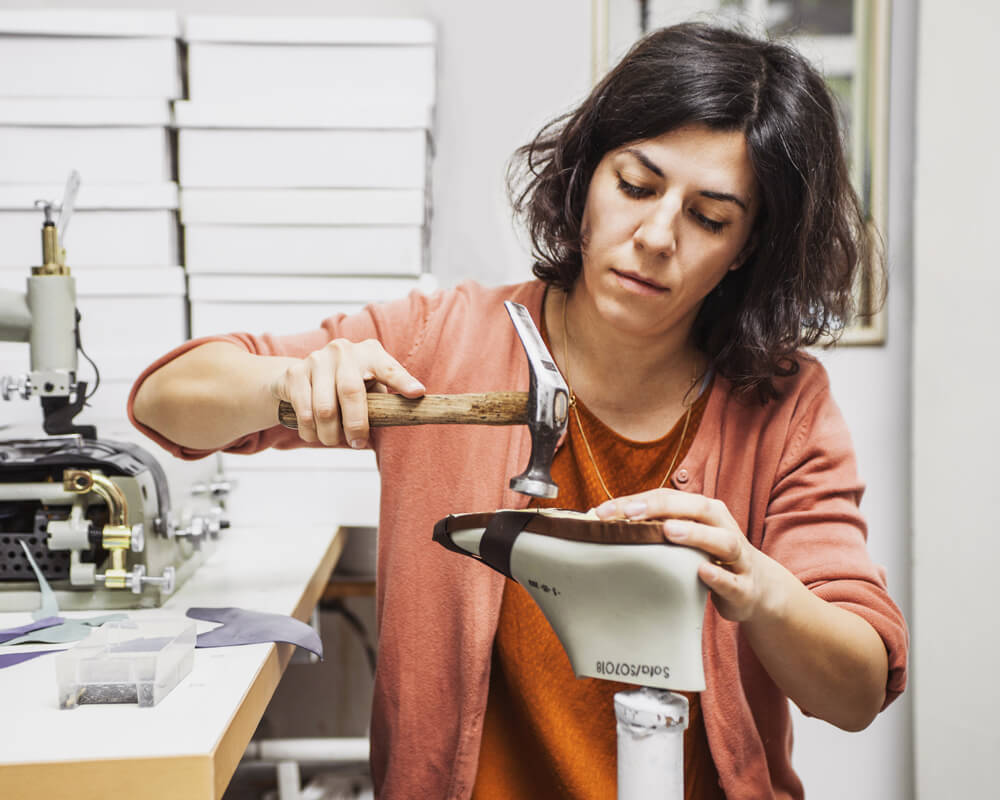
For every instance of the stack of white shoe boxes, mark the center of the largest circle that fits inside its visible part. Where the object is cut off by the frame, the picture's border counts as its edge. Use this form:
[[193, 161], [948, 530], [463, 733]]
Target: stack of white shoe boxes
[[304, 155], [91, 91]]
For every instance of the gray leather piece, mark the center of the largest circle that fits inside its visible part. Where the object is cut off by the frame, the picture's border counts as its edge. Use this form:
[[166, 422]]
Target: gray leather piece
[[241, 626], [49, 606], [71, 630]]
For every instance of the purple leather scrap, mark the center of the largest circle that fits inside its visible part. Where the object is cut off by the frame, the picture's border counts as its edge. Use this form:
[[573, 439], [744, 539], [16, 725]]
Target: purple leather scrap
[[12, 659], [240, 626], [149, 645], [38, 624]]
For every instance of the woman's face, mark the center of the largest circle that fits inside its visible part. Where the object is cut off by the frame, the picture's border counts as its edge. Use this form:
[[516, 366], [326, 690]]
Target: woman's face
[[665, 220]]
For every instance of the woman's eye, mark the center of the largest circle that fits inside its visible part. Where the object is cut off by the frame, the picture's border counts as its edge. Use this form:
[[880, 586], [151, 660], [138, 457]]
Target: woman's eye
[[711, 225], [632, 190]]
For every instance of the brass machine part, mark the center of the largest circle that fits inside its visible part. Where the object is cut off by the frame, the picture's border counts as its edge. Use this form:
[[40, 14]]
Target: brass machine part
[[117, 534], [53, 254]]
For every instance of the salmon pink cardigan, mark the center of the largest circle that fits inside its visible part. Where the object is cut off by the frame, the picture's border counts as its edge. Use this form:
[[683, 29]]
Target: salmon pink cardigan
[[786, 470]]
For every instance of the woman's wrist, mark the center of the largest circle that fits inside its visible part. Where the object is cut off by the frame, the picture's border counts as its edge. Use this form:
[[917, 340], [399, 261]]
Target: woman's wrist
[[778, 590]]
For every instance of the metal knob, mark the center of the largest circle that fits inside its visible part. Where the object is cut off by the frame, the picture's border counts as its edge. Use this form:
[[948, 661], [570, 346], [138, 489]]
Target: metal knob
[[207, 525], [138, 580], [12, 386], [138, 537], [195, 529], [219, 488]]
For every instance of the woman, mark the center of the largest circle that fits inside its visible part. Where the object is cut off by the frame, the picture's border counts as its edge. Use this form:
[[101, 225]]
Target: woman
[[694, 227]]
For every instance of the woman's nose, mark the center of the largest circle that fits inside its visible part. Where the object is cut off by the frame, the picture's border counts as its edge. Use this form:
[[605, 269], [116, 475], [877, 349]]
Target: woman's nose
[[656, 233]]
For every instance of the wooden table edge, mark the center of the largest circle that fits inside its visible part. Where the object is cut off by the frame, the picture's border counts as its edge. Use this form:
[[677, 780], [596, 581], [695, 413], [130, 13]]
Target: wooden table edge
[[230, 748], [192, 775]]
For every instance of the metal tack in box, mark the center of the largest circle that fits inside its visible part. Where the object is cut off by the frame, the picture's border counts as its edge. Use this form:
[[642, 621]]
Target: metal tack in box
[[127, 662]]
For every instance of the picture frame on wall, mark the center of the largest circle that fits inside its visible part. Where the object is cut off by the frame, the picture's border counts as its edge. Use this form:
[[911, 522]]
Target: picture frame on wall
[[848, 40]]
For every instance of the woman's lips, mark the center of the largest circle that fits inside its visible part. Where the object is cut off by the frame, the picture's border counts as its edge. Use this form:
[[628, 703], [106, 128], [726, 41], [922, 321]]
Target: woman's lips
[[638, 285]]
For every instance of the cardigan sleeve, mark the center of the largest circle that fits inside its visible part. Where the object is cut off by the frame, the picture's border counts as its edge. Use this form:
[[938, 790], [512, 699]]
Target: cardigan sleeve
[[814, 527], [398, 325]]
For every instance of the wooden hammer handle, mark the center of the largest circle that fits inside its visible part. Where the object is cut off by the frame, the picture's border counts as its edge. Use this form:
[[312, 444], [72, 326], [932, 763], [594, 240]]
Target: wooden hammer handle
[[384, 410]]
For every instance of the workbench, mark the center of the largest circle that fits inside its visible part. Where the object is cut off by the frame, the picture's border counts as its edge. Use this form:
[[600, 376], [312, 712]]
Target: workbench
[[189, 744]]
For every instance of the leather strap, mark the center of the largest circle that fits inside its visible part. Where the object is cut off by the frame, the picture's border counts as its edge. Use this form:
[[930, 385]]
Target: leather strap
[[442, 535], [498, 539]]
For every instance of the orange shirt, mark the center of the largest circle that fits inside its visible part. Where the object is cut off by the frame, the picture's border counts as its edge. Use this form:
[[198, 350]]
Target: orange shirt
[[548, 733]]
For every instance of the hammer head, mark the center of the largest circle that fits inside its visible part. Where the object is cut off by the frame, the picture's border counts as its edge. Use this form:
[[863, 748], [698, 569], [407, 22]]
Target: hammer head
[[548, 407]]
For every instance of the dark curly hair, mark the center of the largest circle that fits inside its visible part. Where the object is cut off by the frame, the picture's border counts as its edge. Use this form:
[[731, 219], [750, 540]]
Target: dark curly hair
[[810, 234]]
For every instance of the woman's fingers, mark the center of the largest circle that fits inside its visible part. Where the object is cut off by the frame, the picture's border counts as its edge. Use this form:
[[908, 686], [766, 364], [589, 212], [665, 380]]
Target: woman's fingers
[[380, 366], [325, 416], [734, 573], [359, 366], [730, 575], [295, 387], [329, 390], [667, 504], [725, 546], [704, 524], [353, 398], [733, 594]]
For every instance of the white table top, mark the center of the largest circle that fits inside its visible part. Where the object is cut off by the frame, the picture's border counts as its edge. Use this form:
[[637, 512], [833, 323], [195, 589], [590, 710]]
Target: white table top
[[189, 744]]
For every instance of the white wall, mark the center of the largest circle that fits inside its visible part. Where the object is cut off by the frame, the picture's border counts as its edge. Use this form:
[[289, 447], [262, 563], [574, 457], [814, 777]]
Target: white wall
[[504, 69], [872, 386], [956, 436]]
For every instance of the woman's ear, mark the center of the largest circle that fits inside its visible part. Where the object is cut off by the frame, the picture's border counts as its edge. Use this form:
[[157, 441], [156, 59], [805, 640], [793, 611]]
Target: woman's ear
[[745, 253]]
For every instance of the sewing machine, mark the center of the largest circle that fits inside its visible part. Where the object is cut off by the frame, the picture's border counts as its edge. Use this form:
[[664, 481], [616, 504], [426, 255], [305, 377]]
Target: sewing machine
[[106, 524]]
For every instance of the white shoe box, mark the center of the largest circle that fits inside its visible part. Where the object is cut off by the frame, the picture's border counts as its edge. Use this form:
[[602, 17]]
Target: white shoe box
[[283, 305], [35, 154], [304, 159], [213, 318], [129, 317], [294, 289], [292, 207], [139, 238], [89, 53], [304, 250], [121, 141], [310, 58], [111, 226], [348, 109]]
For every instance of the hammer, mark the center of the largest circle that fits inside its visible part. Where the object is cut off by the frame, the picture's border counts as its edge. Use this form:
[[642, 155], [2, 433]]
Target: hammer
[[543, 408]]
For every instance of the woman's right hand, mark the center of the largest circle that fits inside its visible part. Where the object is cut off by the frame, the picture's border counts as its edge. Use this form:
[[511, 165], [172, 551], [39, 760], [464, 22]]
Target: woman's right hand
[[328, 389]]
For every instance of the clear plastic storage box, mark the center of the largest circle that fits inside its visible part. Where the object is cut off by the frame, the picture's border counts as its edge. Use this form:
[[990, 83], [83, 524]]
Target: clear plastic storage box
[[126, 662]]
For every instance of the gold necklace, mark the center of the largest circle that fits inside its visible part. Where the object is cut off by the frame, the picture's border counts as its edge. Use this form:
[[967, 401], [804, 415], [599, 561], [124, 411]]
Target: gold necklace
[[579, 425]]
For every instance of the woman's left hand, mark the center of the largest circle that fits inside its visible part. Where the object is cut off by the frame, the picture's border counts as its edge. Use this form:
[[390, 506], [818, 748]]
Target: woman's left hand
[[825, 658], [736, 575]]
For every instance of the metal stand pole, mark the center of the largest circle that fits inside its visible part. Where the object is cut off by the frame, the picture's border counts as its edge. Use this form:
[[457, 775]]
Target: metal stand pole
[[289, 782], [651, 725]]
